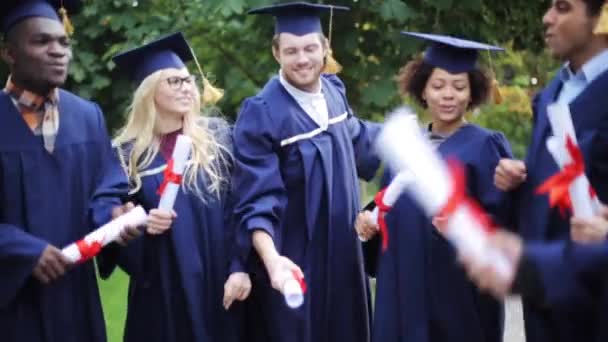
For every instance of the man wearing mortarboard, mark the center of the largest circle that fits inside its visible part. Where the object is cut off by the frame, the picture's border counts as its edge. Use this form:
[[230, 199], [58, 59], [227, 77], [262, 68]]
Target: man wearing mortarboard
[[55, 183], [299, 151]]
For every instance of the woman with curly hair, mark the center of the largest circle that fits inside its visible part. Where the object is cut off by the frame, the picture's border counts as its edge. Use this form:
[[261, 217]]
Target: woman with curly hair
[[422, 293]]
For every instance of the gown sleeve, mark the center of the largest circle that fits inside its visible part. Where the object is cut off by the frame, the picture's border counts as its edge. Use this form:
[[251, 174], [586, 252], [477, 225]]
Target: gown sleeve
[[494, 201], [260, 196], [112, 183], [19, 254]]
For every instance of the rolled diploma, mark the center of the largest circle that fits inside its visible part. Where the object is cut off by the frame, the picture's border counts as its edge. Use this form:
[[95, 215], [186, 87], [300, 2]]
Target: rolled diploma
[[583, 205], [180, 155], [108, 232], [432, 186], [468, 235], [292, 291], [393, 192]]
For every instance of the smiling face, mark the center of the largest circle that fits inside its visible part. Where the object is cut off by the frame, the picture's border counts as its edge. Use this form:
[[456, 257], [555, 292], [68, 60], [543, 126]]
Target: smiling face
[[38, 53], [569, 28], [447, 95], [175, 93], [301, 58]]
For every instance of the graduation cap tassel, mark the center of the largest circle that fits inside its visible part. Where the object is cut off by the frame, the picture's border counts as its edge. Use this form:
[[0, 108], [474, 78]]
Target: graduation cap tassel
[[67, 23], [331, 65], [602, 23], [211, 95], [496, 95]]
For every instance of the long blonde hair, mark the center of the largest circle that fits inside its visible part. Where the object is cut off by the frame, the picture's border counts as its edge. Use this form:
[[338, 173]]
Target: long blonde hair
[[209, 159]]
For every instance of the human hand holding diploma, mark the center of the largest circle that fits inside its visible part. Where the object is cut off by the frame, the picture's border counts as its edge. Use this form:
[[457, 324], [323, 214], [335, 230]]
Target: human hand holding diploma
[[384, 201], [287, 277], [440, 189], [570, 188], [91, 245]]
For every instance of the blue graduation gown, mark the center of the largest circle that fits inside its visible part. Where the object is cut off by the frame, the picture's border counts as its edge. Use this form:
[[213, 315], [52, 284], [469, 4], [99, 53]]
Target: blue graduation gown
[[568, 277], [536, 221], [298, 182], [177, 279], [53, 199], [422, 294], [568, 274]]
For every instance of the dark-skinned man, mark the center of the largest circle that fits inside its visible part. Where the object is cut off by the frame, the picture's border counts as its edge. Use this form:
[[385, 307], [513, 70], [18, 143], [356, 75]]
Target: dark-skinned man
[[57, 182]]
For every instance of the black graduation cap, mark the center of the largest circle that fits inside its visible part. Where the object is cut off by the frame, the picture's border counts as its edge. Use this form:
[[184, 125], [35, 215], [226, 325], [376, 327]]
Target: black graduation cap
[[14, 11], [452, 54], [171, 51], [299, 18]]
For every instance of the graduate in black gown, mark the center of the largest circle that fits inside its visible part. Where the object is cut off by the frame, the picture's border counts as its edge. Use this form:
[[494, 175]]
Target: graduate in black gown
[[58, 182], [422, 294], [299, 150], [183, 279]]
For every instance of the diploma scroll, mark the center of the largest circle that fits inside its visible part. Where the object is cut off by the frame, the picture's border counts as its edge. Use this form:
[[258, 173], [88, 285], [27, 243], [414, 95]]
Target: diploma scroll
[[439, 189], [564, 148], [174, 172], [91, 244], [294, 290]]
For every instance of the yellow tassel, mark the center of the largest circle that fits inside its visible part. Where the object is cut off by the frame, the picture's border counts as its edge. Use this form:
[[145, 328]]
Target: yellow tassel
[[602, 23], [331, 65], [67, 23], [496, 95], [211, 94]]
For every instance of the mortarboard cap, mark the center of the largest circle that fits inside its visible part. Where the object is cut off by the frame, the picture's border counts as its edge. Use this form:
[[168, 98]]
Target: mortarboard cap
[[452, 54], [14, 11], [299, 18], [171, 51]]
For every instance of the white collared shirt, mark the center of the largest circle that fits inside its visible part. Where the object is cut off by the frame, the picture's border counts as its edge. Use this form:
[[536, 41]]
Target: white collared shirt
[[314, 104]]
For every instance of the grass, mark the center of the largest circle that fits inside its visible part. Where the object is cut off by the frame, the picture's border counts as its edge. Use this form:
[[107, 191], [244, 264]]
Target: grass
[[114, 300]]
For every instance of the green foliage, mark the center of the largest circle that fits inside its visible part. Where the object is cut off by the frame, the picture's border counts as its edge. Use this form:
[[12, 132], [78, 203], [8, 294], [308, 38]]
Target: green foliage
[[516, 125], [234, 48], [522, 74]]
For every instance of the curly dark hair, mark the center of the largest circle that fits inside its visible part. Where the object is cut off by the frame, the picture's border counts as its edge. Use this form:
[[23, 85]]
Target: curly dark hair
[[412, 79]]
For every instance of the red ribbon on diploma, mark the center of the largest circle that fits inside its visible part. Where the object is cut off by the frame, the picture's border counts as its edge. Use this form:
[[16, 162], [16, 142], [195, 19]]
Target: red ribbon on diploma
[[383, 209], [558, 185], [169, 177], [88, 250], [300, 281], [458, 198]]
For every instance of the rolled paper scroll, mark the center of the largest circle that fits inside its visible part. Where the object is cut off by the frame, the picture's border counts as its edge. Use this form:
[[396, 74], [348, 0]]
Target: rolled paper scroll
[[91, 245], [173, 173], [439, 189]]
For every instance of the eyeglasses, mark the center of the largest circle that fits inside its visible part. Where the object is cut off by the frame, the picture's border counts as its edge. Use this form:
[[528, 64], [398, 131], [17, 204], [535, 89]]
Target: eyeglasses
[[176, 82]]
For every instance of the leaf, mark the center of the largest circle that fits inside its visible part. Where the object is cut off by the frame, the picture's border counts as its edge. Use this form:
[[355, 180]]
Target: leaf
[[378, 93], [395, 10], [442, 4]]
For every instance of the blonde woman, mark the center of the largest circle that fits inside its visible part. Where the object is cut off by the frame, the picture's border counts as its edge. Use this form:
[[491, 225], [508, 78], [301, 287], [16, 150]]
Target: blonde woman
[[182, 276]]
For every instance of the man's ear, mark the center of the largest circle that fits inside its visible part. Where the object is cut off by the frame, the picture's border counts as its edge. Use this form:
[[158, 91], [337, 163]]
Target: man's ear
[[276, 54]]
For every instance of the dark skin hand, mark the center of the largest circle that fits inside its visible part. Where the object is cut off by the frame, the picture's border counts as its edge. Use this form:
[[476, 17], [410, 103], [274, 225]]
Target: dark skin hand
[[51, 265]]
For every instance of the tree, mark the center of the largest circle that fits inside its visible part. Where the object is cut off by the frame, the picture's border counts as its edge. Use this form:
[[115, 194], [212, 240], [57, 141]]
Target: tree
[[234, 48]]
